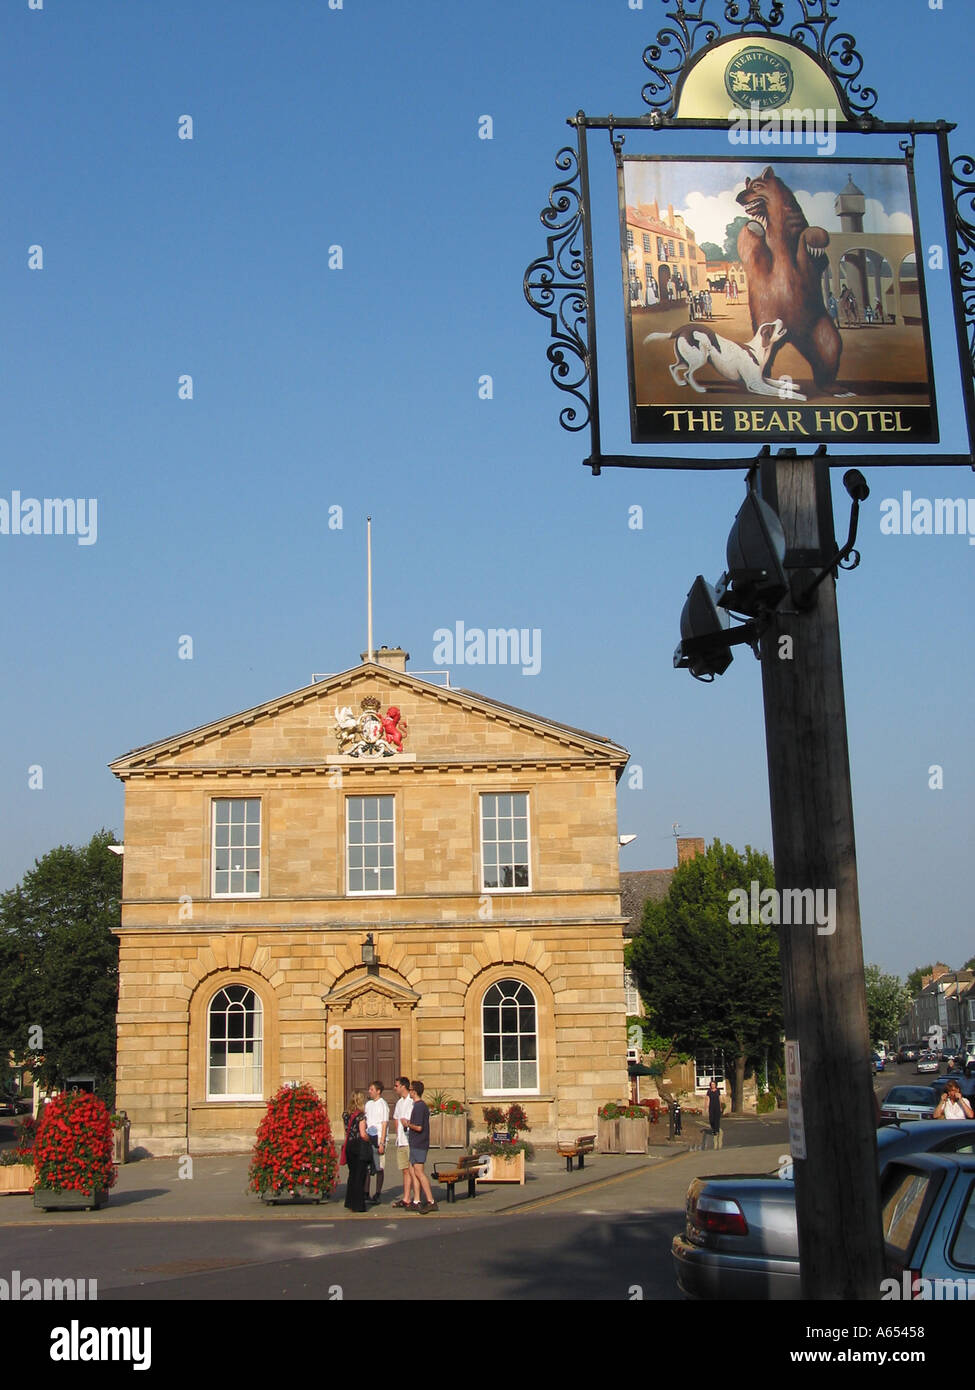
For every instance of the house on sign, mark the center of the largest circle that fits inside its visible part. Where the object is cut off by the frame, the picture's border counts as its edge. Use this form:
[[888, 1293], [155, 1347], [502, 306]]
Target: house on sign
[[372, 875]]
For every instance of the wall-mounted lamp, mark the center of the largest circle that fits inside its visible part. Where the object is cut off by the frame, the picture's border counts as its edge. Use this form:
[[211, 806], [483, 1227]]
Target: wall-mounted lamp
[[369, 951]]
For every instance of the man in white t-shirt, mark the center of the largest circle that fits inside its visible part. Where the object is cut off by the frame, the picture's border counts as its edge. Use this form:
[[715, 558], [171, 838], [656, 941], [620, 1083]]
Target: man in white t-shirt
[[402, 1112], [377, 1123]]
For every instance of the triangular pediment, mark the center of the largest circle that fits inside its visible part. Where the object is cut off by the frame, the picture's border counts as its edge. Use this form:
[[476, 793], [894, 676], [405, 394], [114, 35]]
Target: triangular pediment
[[424, 724]]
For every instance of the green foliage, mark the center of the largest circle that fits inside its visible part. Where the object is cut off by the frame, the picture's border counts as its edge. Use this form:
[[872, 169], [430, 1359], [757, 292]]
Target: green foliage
[[59, 965], [714, 252], [766, 1102], [913, 982], [731, 239], [887, 1002], [706, 981], [497, 1150]]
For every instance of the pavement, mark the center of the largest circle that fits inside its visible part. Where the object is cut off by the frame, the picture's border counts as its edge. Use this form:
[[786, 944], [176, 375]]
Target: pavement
[[213, 1187]]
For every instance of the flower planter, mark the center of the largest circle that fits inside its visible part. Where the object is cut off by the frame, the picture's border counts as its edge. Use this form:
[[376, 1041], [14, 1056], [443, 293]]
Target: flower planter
[[120, 1143], [69, 1200], [505, 1169], [17, 1177], [633, 1136], [436, 1129], [454, 1131], [608, 1136], [287, 1197]]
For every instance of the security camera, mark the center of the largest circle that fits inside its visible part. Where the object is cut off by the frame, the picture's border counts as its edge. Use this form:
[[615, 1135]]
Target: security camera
[[856, 485]]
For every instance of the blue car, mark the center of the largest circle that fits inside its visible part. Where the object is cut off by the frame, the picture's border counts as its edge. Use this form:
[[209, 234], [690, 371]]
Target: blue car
[[928, 1203]]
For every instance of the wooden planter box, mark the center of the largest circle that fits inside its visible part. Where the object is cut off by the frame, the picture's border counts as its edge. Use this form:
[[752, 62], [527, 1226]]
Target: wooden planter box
[[120, 1144], [633, 1136], [49, 1200], [454, 1131], [18, 1177], [505, 1169], [436, 1129], [608, 1140]]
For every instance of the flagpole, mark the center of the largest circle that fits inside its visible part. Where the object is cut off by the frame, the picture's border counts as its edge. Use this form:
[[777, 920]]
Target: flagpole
[[369, 585]]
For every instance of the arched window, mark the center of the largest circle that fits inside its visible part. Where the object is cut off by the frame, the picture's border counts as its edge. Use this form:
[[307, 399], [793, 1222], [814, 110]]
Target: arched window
[[510, 1037], [235, 1045]]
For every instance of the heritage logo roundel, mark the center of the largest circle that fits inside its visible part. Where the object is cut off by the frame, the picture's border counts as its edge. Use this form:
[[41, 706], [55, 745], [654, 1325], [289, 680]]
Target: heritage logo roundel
[[758, 75]]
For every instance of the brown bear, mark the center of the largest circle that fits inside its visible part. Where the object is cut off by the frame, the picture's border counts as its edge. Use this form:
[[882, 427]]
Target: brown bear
[[784, 262]]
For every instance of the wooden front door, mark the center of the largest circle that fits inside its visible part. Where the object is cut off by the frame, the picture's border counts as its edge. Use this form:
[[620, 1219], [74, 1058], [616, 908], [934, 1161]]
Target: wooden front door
[[371, 1054]]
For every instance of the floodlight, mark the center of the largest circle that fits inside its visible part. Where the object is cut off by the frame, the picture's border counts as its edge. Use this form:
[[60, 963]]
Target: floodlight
[[703, 629], [756, 580]]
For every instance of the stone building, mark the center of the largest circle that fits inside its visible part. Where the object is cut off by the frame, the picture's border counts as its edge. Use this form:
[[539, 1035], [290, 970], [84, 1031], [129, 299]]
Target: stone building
[[371, 875]]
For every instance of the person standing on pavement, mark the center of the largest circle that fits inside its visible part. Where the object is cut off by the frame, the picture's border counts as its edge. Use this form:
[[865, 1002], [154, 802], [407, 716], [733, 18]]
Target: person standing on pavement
[[418, 1126], [714, 1112], [356, 1141], [377, 1123], [401, 1113]]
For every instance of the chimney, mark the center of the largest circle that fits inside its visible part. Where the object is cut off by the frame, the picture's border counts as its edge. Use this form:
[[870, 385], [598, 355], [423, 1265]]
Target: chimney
[[688, 848], [394, 658]]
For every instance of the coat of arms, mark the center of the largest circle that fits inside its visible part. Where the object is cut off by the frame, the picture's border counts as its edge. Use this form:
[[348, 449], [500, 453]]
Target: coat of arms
[[369, 734]]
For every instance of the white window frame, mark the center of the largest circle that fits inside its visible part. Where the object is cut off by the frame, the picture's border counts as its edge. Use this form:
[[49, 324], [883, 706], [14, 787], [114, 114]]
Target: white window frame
[[511, 1091], [369, 892], [257, 1039], [214, 848], [520, 888]]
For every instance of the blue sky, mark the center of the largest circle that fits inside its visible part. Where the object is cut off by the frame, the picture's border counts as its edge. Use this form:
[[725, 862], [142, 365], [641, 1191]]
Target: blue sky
[[358, 387]]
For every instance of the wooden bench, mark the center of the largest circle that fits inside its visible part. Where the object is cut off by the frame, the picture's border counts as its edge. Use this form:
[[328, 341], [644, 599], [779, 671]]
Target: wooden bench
[[577, 1149], [464, 1170]]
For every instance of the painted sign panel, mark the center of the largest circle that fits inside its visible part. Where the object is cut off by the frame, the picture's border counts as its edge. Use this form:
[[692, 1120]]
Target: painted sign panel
[[793, 1087], [774, 303]]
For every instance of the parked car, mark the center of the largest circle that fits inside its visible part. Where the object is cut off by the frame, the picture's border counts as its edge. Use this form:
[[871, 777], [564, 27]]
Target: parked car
[[907, 1103], [928, 1203], [740, 1238], [8, 1104], [877, 1062]]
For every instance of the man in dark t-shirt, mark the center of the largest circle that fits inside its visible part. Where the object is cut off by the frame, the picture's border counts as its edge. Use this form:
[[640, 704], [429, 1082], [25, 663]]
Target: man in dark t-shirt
[[418, 1126]]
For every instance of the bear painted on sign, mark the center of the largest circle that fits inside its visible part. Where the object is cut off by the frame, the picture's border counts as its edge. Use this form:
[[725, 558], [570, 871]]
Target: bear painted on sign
[[784, 260]]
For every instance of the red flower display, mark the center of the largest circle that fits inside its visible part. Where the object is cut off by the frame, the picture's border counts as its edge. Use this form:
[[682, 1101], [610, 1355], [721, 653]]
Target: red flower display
[[294, 1151], [73, 1145]]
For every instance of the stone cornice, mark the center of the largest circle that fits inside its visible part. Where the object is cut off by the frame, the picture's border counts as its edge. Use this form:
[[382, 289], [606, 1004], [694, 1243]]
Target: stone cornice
[[348, 766]]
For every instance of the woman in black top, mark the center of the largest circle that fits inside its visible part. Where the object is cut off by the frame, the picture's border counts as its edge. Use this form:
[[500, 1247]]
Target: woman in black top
[[355, 1130], [714, 1107]]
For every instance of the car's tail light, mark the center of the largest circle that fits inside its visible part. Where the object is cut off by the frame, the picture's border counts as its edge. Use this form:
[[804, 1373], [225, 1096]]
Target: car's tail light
[[719, 1217]]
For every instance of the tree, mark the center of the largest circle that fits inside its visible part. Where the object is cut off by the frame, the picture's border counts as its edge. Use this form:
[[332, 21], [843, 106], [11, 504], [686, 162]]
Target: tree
[[731, 237], [713, 252], [708, 981], [913, 984], [887, 1002], [969, 964], [59, 965]]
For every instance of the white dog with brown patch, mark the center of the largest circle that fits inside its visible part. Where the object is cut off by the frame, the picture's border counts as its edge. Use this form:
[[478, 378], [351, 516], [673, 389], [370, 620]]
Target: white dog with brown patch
[[695, 345]]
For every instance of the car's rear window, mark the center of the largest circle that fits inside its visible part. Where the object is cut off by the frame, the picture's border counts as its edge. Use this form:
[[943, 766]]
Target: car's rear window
[[963, 1247], [909, 1095], [905, 1197]]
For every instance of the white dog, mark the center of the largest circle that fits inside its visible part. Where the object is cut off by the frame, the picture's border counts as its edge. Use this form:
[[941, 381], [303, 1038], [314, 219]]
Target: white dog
[[696, 344]]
